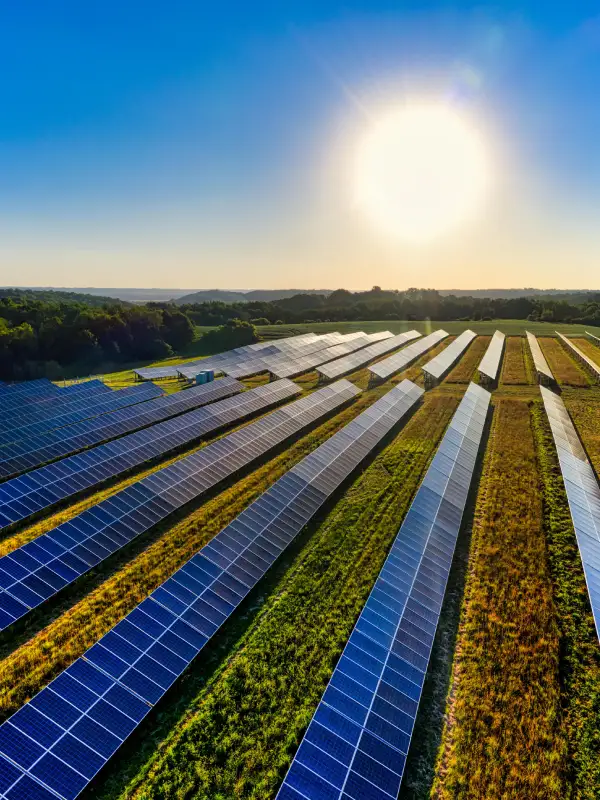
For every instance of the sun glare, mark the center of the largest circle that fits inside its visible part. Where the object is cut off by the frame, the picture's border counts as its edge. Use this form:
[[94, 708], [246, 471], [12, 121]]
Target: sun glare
[[420, 171]]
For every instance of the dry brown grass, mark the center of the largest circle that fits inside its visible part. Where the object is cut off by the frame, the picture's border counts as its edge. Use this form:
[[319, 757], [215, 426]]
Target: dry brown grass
[[465, 369], [514, 368]]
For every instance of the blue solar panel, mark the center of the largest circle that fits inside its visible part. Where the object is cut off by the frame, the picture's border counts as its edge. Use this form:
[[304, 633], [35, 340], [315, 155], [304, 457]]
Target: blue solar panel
[[28, 426], [583, 494], [27, 454], [41, 489], [34, 572], [39, 407], [357, 742], [99, 700]]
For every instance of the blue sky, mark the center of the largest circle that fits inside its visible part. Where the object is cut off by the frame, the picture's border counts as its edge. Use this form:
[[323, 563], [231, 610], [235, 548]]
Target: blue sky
[[197, 144]]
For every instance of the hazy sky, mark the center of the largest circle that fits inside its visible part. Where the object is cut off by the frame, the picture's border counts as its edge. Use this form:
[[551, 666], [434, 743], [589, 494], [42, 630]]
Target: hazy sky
[[201, 145]]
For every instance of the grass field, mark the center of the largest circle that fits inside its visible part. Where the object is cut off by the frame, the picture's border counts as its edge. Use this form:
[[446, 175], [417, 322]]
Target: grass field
[[564, 367], [511, 705], [511, 327]]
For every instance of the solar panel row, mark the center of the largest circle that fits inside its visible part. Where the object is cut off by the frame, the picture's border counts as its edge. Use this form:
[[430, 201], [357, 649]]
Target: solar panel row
[[292, 368], [229, 356], [83, 408], [270, 363], [357, 742], [51, 405], [593, 336], [544, 373], [489, 367], [360, 358], [17, 393], [27, 454], [37, 570], [399, 361], [41, 489], [583, 494], [588, 362], [68, 731], [435, 370]]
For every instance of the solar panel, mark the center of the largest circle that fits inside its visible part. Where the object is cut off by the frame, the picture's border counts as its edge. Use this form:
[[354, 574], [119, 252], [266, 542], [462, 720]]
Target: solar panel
[[360, 358], [281, 362], [27, 426], [16, 393], [489, 367], [583, 494], [543, 371], [358, 739], [229, 356], [103, 696], [593, 336], [41, 489], [29, 453], [436, 369], [33, 573], [591, 365], [399, 361], [36, 403], [292, 368]]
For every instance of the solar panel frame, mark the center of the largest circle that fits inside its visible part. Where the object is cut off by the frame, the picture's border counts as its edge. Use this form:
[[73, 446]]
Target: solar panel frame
[[489, 366], [583, 493], [35, 572], [385, 369], [26, 455], [357, 741], [593, 336], [592, 368], [120, 678], [42, 488], [436, 369], [543, 371]]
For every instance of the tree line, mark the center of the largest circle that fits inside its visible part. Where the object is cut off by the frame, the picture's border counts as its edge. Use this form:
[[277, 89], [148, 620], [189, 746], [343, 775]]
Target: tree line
[[410, 305], [46, 333]]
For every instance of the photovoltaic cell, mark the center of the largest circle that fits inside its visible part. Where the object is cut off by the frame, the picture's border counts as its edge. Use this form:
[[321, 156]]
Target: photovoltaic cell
[[583, 493], [438, 367], [76, 410], [37, 570], [489, 366], [70, 729], [357, 742], [399, 361], [542, 369], [342, 366], [42, 488], [16, 394], [591, 365], [27, 454]]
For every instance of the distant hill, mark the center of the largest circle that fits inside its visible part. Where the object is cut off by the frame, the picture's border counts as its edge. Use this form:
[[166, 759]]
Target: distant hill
[[256, 295], [508, 294], [129, 295]]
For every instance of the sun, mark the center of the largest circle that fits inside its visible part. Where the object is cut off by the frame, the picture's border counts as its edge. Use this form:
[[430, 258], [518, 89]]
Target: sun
[[421, 171]]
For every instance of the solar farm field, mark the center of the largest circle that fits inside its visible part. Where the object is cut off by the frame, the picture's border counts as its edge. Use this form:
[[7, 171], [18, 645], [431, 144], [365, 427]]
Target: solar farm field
[[314, 589]]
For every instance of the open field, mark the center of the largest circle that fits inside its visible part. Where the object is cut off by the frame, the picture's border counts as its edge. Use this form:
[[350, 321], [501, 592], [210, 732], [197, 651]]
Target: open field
[[511, 327], [564, 367], [511, 705]]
